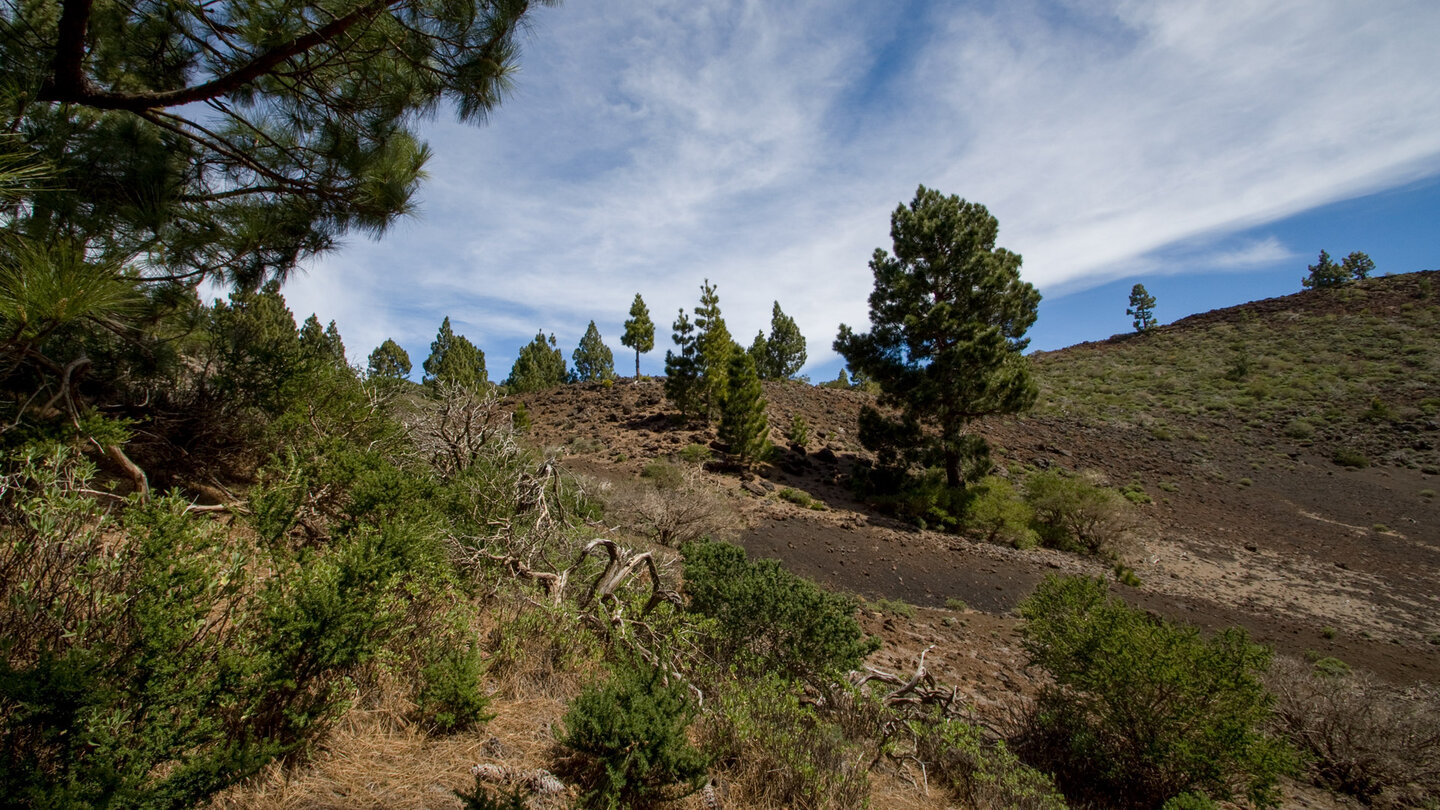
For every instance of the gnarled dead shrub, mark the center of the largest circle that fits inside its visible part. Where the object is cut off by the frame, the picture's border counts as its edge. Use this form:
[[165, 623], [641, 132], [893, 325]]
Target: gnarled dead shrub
[[673, 513], [1372, 741]]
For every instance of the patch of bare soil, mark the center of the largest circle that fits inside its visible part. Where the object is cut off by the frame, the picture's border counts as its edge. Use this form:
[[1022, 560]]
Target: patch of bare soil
[[1308, 556]]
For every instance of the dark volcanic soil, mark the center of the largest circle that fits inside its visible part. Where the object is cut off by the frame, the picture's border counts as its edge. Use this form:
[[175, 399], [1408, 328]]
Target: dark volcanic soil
[[1308, 556]]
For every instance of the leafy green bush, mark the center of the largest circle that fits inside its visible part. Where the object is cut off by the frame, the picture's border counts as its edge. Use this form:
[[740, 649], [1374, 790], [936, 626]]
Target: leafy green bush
[[1075, 515], [777, 752], [980, 773], [450, 698], [770, 620], [696, 453], [1348, 457], [1142, 710], [146, 661], [664, 474], [800, 498], [627, 742], [998, 512]]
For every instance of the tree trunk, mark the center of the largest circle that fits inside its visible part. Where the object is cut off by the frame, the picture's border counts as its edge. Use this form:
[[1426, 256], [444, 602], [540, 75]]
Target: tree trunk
[[952, 468], [637, 364]]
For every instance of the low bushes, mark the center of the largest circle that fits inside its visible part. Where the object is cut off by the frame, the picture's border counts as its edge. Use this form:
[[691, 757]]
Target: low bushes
[[770, 620], [627, 741], [1142, 710]]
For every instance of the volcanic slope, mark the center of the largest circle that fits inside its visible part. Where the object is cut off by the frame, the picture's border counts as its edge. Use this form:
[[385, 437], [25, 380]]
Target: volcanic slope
[[1288, 447]]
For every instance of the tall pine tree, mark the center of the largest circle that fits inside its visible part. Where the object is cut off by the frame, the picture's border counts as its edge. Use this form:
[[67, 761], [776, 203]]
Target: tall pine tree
[[592, 359], [682, 368], [744, 426], [948, 316], [389, 361], [639, 331], [539, 366], [454, 359], [784, 350], [713, 347]]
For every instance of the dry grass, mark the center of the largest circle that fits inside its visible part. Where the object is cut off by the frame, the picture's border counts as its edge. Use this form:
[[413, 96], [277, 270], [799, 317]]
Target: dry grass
[[372, 761]]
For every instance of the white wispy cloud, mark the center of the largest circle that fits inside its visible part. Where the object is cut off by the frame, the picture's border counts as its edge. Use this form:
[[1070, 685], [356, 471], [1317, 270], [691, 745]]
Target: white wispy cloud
[[651, 145]]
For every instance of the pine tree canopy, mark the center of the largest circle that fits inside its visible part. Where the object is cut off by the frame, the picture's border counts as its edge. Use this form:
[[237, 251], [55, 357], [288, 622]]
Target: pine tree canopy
[[713, 346], [389, 361], [639, 331], [232, 139], [784, 349], [592, 359], [454, 359], [1142, 308], [682, 368], [948, 316], [539, 366], [744, 426]]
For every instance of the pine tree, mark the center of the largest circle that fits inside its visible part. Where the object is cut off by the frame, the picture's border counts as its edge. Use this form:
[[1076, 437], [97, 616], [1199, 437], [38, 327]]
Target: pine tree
[[713, 347], [454, 359], [744, 426], [1142, 306], [1357, 266], [234, 139], [639, 331], [1325, 273], [592, 358], [539, 366], [682, 368], [784, 349], [389, 361], [321, 345], [948, 315], [759, 352]]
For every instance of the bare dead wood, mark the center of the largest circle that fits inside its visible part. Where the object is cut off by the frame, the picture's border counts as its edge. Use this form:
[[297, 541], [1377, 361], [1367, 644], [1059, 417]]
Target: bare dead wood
[[137, 475]]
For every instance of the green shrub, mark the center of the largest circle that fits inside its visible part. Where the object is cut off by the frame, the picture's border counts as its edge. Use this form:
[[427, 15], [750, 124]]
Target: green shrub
[[1300, 429], [627, 742], [1190, 801], [770, 620], [450, 698], [799, 433], [1136, 494], [1142, 710], [1073, 514], [480, 798], [119, 687], [800, 498], [696, 453], [980, 773], [776, 752], [997, 511], [1347, 457]]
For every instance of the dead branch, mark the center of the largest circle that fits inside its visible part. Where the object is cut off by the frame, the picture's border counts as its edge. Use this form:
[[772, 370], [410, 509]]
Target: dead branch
[[137, 475]]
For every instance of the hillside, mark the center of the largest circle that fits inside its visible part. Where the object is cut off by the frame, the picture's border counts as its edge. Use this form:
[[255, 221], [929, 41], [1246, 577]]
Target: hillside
[[1231, 421]]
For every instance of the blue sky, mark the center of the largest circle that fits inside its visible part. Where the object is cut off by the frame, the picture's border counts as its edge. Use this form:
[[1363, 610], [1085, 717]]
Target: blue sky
[[1207, 148]]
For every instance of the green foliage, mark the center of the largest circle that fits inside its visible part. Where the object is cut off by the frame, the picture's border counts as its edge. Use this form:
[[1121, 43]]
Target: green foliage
[[770, 620], [1073, 514], [1142, 710], [996, 510], [799, 432], [695, 453], [980, 773], [639, 331], [1190, 801], [455, 360], [321, 345], [948, 316], [1325, 273], [389, 361], [1357, 266], [782, 355], [840, 383], [592, 358], [780, 752], [682, 369], [539, 366], [1349, 457], [451, 698], [744, 425], [800, 498], [628, 742], [1142, 308], [232, 140], [713, 348], [129, 692], [664, 474], [480, 798]]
